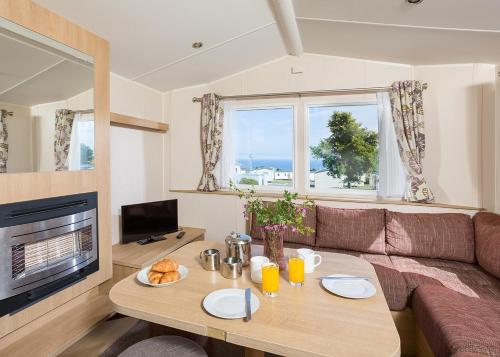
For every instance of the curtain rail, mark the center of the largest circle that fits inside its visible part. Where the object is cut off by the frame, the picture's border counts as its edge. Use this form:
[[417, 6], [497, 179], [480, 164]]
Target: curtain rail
[[307, 93], [88, 111]]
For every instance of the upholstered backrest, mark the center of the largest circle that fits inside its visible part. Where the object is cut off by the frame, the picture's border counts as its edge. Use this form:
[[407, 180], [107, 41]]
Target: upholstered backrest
[[430, 235], [361, 230], [487, 233], [291, 237]]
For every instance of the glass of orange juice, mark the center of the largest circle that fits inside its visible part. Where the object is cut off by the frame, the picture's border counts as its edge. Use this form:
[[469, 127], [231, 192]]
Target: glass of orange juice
[[296, 270], [270, 279]]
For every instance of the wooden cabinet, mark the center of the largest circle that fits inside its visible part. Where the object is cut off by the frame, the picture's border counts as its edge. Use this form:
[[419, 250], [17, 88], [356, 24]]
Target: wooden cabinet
[[132, 257]]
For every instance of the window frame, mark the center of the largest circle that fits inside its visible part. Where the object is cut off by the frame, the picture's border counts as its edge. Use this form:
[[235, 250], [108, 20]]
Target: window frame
[[301, 150], [275, 103], [331, 101]]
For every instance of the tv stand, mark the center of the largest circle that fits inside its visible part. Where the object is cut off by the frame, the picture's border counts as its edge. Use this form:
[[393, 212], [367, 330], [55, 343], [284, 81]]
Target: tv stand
[[130, 258]]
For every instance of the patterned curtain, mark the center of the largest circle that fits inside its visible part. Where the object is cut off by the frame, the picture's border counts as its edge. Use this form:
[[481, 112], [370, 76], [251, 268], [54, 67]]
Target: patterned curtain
[[212, 119], [408, 118], [62, 138], [4, 146]]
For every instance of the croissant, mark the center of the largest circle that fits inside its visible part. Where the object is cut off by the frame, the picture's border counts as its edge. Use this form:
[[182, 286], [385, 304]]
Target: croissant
[[154, 277], [170, 277], [165, 265]]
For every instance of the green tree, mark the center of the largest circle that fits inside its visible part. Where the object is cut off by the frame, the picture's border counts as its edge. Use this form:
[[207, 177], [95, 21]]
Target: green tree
[[249, 181], [350, 151], [86, 154]]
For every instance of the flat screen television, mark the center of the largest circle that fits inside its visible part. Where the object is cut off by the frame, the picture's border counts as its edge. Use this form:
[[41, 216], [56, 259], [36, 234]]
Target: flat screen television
[[144, 220]]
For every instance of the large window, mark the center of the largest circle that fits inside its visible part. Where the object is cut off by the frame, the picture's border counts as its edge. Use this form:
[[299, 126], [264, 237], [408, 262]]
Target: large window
[[263, 146], [343, 148], [339, 145]]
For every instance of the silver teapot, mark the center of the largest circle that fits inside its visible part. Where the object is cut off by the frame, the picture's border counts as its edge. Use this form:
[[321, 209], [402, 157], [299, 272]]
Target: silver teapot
[[238, 245]]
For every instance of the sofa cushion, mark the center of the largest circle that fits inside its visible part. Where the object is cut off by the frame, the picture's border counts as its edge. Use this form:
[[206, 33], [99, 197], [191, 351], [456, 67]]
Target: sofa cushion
[[309, 240], [468, 279], [361, 230], [487, 232], [430, 235], [457, 325], [392, 282]]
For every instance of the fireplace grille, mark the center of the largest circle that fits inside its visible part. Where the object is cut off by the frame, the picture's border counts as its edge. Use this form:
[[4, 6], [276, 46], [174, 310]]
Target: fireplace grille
[[32, 257]]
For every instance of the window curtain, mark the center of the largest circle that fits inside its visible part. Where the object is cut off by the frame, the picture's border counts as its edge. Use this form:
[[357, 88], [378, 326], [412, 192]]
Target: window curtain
[[212, 123], [62, 138], [4, 146], [226, 169], [392, 174], [408, 119]]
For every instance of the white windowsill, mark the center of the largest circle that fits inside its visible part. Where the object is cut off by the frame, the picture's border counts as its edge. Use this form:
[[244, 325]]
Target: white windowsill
[[337, 198]]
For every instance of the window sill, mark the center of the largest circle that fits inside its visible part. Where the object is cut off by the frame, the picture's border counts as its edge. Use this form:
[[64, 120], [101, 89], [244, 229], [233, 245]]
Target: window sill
[[316, 197]]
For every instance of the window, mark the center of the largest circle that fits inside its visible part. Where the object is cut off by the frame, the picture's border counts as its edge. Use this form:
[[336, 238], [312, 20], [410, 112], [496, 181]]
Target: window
[[335, 145], [343, 148], [81, 151], [263, 146]]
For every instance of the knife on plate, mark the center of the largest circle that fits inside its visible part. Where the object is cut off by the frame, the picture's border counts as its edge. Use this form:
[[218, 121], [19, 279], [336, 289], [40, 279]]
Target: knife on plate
[[248, 309]]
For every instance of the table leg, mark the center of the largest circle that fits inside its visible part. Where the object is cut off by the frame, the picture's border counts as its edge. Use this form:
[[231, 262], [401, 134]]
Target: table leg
[[250, 352]]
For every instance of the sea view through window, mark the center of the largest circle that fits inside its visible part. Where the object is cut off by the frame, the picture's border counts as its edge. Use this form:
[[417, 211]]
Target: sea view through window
[[340, 151]]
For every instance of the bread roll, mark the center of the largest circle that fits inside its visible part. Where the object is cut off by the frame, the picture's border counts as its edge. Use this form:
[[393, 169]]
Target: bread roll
[[154, 277], [165, 265], [170, 277]]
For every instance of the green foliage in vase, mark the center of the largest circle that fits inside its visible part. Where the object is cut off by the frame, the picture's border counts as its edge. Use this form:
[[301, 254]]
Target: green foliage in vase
[[277, 215]]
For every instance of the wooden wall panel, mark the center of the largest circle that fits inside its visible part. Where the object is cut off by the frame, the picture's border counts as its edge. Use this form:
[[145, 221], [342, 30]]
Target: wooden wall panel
[[27, 186]]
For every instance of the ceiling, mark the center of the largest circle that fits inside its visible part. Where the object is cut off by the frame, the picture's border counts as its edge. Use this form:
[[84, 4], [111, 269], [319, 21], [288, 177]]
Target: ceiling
[[151, 39], [31, 75]]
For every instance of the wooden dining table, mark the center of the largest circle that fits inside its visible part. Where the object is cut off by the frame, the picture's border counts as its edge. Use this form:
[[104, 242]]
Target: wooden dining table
[[300, 321]]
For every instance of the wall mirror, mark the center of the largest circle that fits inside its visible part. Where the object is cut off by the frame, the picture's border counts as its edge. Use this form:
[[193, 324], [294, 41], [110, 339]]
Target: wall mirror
[[46, 104]]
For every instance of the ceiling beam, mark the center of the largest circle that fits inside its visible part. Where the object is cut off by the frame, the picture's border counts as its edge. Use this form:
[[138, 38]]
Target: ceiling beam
[[284, 13]]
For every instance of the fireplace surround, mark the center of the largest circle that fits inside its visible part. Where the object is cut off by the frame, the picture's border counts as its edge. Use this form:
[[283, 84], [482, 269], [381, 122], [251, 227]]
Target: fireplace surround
[[45, 246]]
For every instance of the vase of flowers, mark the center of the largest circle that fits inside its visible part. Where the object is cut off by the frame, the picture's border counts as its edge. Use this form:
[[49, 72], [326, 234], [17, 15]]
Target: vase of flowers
[[276, 218]]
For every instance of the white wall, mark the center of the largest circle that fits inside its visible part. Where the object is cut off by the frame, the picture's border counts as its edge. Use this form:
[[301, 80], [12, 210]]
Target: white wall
[[453, 164], [457, 105], [496, 130], [137, 156], [19, 128]]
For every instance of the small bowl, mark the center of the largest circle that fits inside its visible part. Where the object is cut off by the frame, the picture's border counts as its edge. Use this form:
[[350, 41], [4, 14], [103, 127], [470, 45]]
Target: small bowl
[[231, 267]]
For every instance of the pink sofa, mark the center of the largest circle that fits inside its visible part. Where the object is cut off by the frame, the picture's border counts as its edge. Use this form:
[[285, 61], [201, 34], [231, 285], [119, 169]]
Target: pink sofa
[[445, 266]]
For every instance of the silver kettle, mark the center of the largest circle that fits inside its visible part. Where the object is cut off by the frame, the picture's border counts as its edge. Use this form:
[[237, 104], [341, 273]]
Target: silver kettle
[[238, 245]]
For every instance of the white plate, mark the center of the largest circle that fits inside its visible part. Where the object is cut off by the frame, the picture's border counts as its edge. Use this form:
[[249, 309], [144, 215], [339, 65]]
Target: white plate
[[142, 276], [353, 289], [229, 303]]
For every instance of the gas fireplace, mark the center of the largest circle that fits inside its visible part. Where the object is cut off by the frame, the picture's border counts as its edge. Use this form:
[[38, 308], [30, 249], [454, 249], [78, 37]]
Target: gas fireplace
[[45, 246]]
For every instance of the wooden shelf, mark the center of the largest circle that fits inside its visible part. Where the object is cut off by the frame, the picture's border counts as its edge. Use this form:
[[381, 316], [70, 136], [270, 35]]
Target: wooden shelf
[[137, 123], [137, 256]]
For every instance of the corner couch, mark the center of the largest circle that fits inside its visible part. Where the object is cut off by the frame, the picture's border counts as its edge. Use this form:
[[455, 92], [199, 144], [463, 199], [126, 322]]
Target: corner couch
[[443, 266]]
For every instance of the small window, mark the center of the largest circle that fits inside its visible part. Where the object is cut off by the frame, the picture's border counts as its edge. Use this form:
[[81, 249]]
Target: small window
[[263, 142], [343, 148], [81, 152]]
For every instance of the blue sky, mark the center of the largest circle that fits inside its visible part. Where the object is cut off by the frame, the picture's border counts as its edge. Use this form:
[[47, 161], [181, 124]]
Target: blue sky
[[264, 133], [319, 116], [268, 133]]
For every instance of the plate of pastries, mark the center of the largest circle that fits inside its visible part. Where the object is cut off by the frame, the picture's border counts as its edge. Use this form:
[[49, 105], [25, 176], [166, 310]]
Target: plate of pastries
[[164, 272]]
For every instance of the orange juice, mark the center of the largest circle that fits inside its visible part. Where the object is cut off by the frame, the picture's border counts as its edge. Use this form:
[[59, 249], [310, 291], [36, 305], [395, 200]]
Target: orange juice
[[270, 279], [296, 271]]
